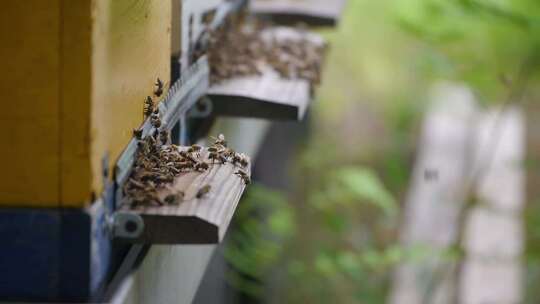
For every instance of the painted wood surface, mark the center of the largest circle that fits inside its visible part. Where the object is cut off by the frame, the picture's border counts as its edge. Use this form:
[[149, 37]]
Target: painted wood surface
[[32, 92], [79, 72], [45, 255], [131, 49]]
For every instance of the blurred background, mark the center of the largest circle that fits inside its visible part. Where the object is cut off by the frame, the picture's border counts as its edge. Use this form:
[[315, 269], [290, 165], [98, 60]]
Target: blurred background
[[415, 180]]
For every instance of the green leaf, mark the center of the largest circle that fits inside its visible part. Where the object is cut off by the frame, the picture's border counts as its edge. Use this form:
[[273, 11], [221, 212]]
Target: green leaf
[[366, 186]]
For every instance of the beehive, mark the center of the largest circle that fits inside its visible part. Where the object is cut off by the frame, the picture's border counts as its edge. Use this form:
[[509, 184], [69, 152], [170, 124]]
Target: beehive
[[75, 74]]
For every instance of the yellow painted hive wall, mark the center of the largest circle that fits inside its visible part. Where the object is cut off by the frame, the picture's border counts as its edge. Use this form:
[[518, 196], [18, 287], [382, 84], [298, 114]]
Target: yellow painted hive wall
[[75, 74]]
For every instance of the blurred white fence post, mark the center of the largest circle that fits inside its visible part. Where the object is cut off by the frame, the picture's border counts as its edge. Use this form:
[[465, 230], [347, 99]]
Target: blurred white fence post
[[459, 143], [435, 198], [494, 238]]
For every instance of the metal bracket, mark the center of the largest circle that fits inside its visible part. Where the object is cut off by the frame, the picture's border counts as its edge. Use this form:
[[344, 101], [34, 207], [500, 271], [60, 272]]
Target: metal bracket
[[126, 225], [201, 109]]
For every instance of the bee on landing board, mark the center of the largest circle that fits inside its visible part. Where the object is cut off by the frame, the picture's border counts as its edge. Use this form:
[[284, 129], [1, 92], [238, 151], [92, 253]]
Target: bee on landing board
[[240, 158], [148, 107], [138, 133], [202, 166], [164, 136], [174, 198], [244, 176], [203, 191], [155, 120], [220, 140], [195, 149]]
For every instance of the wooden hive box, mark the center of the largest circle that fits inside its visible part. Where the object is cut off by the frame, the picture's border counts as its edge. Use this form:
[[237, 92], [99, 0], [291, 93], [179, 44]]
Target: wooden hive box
[[75, 77]]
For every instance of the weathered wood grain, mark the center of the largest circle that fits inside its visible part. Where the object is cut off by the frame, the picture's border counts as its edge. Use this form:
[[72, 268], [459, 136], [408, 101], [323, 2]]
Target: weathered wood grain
[[268, 95], [172, 273], [311, 12], [194, 220]]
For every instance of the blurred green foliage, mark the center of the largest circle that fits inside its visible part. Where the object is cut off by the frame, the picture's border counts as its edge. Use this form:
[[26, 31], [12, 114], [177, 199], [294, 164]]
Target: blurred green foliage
[[334, 239], [266, 221], [483, 42], [331, 261]]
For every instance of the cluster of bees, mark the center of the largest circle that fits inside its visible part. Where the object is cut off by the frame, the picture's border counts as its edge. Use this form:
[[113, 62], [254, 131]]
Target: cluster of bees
[[238, 49], [158, 163], [297, 59]]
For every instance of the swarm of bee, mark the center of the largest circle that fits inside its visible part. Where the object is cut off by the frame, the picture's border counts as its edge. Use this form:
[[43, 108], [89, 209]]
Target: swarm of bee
[[158, 163], [238, 49]]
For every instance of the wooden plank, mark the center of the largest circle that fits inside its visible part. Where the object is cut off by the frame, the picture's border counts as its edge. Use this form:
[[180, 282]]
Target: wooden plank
[[268, 95], [195, 220], [311, 12], [170, 273], [265, 96]]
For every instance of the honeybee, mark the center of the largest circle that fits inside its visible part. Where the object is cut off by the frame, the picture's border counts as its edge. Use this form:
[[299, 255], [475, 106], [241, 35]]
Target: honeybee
[[240, 158], [155, 200], [164, 178], [184, 165], [195, 149], [203, 191], [155, 120], [158, 90], [244, 176], [148, 107], [174, 198], [138, 133], [134, 184], [145, 146], [147, 176], [220, 140], [186, 155], [175, 170], [217, 157], [229, 153], [164, 136], [202, 166]]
